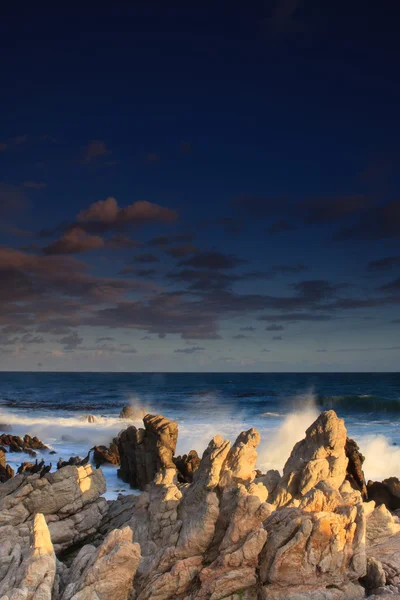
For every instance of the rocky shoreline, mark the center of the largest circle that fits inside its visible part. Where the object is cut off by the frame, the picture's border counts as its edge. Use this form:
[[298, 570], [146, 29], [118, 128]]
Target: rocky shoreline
[[202, 529]]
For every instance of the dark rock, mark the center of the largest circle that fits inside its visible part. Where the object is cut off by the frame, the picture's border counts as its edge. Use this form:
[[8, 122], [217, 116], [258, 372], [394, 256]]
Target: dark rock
[[187, 465], [355, 474], [15, 443], [144, 451], [90, 419], [5, 427], [385, 492], [6, 472], [110, 455], [132, 413]]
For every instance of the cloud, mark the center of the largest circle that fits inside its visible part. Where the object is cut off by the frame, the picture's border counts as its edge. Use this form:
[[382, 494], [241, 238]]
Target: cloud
[[265, 350], [332, 208], [248, 328], [18, 140], [381, 222], [279, 226], [392, 286], [145, 258], [138, 272], [389, 262], [104, 339], [159, 240], [35, 185], [260, 206], [120, 241], [274, 328], [284, 19], [3, 146], [71, 342], [183, 250], [277, 338], [74, 241], [12, 200], [95, 149], [185, 147], [108, 214], [292, 317], [152, 157], [240, 336], [213, 260], [287, 269], [191, 350]]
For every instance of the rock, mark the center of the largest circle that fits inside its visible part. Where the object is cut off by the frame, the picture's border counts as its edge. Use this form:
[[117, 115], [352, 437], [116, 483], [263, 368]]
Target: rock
[[355, 474], [350, 591], [270, 480], [6, 472], [69, 499], [16, 444], [89, 419], [119, 512], [320, 456], [386, 492], [144, 451], [31, 577], [110, 455], [314, 548], [132, 413], [6, 427], [105, 573], [375, 577], [187, 465]]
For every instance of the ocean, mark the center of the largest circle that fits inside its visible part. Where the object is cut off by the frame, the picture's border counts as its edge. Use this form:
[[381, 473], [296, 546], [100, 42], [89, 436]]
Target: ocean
[[281, 406]]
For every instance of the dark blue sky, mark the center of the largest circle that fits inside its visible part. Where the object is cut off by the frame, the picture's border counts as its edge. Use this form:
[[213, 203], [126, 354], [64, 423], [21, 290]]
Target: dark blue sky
[[261, 142]]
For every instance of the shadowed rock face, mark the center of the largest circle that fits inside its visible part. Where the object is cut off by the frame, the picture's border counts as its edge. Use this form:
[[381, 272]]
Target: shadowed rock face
[[385, 492], [144, 451], [187, 465], [6, 472], [355, 474]]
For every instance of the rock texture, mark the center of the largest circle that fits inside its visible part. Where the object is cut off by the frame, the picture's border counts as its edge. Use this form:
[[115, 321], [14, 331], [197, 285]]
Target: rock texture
[[103, 455], [29, 575], [70, 499], [229, 534], [104, 573], [27, 444], [144, 451], [320, 456], [187, 465], [6, 472], [355, 474], [385, 492]]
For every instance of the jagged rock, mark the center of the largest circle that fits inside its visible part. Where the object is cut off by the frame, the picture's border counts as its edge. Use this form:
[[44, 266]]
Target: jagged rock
[[187, 465], [132, 413], [320, 456], [144, 451], [6, 471], [270, 480], [110, 455], [385, 492], [105, 573], [119, 512], [355, 474], [314, 548], [350, 591], [29, 577], [69, 499], [375, 577], [16, 444]]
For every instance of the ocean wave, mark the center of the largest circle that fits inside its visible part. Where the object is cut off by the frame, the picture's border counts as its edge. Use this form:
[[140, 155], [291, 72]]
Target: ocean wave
[[359, 403]]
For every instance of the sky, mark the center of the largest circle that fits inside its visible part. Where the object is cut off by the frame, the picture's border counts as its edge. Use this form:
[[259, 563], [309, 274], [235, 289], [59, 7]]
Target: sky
[[200, 187]]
